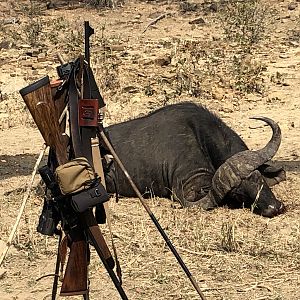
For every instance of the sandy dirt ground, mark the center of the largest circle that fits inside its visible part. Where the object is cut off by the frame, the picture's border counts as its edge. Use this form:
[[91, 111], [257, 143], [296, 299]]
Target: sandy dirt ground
[[141, 68]]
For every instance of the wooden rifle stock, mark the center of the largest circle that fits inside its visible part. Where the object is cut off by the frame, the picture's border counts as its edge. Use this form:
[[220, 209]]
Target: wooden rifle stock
[[75, 278], [38, 98]]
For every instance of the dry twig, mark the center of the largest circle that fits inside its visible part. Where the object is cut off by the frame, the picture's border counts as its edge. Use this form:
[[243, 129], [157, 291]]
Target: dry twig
[[25, 198], [154, 21]]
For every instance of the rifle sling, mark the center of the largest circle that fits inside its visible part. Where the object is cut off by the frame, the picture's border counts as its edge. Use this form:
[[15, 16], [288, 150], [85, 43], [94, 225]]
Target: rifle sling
[[97, 160], [91, 90], [73, 108]]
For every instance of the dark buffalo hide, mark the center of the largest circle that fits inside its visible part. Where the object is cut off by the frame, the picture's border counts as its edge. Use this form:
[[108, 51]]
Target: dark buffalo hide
[[186, 152]]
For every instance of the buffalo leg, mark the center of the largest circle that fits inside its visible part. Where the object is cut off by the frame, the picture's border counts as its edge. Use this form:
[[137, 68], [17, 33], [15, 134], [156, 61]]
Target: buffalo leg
[[196, 191]]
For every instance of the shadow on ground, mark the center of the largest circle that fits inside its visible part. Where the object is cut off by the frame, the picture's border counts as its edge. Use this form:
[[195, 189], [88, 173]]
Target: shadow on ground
[[289, 165], [17, 165]]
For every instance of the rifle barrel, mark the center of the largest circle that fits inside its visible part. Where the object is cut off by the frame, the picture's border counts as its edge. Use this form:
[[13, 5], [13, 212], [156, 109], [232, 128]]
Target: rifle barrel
[[88, 31]]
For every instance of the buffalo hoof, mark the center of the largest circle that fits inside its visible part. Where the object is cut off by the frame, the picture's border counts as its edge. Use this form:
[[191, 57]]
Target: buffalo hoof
[[205, 203]]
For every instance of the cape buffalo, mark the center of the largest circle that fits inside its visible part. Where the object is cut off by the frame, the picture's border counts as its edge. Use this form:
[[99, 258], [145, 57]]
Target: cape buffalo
[[186, 152]]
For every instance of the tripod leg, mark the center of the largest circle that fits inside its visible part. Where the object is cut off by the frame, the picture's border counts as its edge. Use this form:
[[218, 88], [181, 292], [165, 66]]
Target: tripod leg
[[93, 234], [87, 295], [56, 276]]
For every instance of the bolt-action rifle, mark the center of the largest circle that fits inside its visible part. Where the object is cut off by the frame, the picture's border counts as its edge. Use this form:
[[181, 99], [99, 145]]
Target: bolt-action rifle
[[81, 227], [39, 100]]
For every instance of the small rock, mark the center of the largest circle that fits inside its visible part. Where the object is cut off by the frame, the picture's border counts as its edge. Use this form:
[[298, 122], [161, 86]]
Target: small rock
[[227, 108], [2, 273], [130, 89], [33, 52], [294, 43], [25, 46], [218, 93], [186, 6], [198, 21], [4, 54], [142, 75], [42, 57], [292, 6], [213, 7], [5, 45], [294, 18], [27, 64], [10, 21], [284, 56], [163, 61], [50, 5], [37, 66], [115, 48]]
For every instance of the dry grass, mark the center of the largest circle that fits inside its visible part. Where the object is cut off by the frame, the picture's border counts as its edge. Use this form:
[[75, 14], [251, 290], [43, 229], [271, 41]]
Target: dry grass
[[259, 261]]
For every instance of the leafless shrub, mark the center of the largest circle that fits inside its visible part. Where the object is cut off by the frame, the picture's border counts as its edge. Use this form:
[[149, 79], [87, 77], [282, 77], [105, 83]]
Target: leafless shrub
[[228, 242], [188, 59], [74, 42], [245, 22], [247, 74], [33, 29], [245, 26]]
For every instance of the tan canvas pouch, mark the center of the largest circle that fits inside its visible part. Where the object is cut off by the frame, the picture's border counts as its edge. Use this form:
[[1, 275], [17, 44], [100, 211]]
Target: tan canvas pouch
[[74, 176]]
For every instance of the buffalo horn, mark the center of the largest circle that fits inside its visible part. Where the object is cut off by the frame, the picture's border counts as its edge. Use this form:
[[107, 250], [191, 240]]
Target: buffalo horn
[[236, 168]]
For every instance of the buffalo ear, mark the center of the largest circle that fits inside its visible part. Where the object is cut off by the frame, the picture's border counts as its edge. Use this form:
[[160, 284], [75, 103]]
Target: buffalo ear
[[272, 173]]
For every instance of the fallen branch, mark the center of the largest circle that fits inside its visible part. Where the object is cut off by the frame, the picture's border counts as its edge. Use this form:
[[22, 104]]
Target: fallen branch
[[47, 275], [154, 21], [25, 198]]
